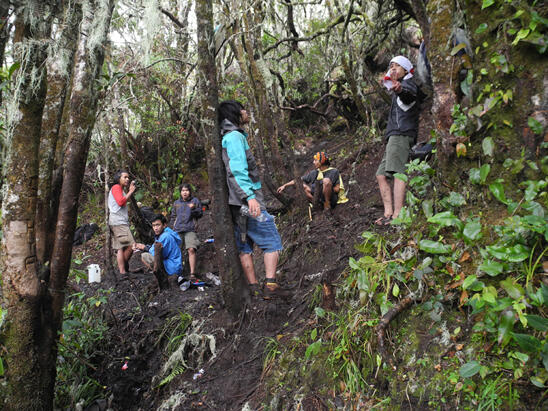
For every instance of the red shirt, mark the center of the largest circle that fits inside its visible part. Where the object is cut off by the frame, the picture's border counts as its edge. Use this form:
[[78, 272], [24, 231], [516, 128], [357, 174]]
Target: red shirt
[[118, 194]]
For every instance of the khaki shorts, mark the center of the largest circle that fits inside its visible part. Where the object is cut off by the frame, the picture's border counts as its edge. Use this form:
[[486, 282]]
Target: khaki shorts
[[190, 240], [121, 236], [395, 156]]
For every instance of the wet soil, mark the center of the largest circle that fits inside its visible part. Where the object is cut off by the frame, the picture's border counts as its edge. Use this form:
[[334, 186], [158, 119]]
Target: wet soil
[[139, 314]]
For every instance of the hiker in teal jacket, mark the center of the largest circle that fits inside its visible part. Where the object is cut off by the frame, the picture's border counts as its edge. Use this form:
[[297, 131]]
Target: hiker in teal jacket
[[244, 187]]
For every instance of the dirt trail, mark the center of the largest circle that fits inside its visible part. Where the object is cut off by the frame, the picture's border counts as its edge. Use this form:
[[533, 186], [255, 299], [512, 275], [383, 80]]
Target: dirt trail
[[137, 312]]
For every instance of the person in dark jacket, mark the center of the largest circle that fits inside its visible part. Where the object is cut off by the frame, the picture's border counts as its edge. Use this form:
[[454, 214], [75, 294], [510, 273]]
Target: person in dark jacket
[[184, 214], [401, 133]]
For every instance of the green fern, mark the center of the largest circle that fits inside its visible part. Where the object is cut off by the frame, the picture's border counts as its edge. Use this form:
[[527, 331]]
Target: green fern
[[174, 372]]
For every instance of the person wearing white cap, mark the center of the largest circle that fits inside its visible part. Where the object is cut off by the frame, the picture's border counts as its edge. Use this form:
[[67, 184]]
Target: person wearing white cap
[[401, 133]]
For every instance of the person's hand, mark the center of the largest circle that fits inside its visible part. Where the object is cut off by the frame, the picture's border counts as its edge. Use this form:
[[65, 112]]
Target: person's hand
[[280, 188], [138, 247], [254, 207], [191, 205], [396, 86], [132, 187]]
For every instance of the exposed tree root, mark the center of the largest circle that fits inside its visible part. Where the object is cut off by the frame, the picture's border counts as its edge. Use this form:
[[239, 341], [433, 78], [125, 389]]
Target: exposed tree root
[[385, 321]]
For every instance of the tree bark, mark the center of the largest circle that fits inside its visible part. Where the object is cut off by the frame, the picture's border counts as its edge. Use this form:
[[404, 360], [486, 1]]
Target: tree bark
[[21, 285], [233, 285], [83, 105], [4, 33], [159, 269], [59, 67]]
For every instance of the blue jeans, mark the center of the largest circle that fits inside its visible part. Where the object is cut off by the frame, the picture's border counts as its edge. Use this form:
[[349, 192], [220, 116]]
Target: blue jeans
[[263, 233]]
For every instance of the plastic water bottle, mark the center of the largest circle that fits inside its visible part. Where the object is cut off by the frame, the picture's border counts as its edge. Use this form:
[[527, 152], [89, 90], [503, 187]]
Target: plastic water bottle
[[183, 283], [244, 210]]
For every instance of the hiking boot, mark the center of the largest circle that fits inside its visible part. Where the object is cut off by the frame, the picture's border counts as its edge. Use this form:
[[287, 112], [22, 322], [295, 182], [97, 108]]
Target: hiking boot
[[273, 290]]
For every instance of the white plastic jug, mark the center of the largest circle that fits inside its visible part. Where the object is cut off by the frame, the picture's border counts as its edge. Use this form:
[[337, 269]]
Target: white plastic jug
[[94, 273]]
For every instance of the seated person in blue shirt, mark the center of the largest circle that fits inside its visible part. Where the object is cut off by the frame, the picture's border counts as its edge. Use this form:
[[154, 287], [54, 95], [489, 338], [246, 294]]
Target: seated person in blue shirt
[[171, 252]]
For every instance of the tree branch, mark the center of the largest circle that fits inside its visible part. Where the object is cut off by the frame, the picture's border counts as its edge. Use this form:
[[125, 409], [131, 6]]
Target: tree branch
[[336, 22]]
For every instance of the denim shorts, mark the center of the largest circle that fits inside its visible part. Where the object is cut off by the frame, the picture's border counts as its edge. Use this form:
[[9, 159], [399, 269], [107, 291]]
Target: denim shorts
[[263, 233]]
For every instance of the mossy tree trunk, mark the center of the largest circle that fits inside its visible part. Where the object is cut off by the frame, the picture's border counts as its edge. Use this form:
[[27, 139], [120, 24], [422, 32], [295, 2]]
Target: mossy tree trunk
[[21, 285], [4, 32], [33, 295], [225, 244], [59, 66], [88, 62]]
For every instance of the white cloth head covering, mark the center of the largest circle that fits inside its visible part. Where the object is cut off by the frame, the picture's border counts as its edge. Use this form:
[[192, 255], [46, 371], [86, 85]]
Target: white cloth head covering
[[407, 66], [404, 62]]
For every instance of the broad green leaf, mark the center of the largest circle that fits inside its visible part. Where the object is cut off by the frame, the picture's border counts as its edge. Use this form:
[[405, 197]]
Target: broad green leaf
[[363, 283], [492, 268], [505, 327], [474, 176], [513, 289], [487, 3], [484, 172], [401, 177], [353, 264], [537, 381], [472, 231], [465, 87], [456, 199], [488, 146], [544, 356], [481, 28], [313, 349], [518, 253], [520, 356], [537, 322], [544, 292], [1, 368], [434, 247], [527, 342], [471, 279], [395, 290], [514, 254], [535, 125], [469, 369], [497, 251], [445, 219], [536, 222], [523, 33], [534, 208], [427, 208], [498, 191], [314, 333]]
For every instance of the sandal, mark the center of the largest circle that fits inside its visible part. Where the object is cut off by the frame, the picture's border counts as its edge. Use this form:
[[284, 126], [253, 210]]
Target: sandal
[[384, 220]]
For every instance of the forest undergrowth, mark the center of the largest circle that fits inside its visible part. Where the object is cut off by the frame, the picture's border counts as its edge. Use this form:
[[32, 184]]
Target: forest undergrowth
[[444, 308]]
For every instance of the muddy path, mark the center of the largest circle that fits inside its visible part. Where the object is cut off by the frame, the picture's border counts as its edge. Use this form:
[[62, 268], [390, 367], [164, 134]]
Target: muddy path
[[223, 361]]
